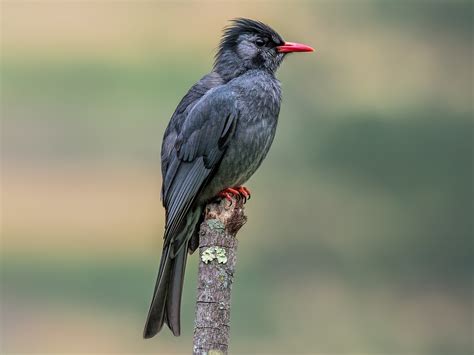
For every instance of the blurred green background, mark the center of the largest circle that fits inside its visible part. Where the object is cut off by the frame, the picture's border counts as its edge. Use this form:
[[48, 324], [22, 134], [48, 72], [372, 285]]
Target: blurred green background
[[360, 225]]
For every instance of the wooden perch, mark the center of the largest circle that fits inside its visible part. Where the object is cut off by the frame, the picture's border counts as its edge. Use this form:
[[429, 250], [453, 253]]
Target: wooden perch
[[217, 260]]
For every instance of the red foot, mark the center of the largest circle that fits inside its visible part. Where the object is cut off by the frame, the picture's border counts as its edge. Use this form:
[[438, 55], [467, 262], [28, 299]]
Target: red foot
[[244, 192], [238, 191]]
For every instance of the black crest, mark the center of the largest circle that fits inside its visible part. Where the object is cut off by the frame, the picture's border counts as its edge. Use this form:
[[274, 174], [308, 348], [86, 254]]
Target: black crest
[[243, 25]]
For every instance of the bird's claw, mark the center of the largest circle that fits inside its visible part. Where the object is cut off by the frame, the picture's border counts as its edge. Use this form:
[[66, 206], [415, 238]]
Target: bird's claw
[[238, 192], [244, 192]]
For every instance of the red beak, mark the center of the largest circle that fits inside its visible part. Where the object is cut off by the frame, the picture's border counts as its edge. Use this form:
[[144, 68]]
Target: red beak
[[289, 47]]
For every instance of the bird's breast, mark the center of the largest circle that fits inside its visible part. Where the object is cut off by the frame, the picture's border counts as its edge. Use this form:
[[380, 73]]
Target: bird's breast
[[245, 152]]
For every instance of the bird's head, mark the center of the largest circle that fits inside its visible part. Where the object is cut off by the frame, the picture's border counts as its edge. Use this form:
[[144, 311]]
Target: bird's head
[[248, 44]]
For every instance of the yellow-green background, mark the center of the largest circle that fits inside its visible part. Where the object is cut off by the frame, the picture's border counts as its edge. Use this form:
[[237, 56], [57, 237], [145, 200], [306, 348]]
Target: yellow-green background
[[358, 239]]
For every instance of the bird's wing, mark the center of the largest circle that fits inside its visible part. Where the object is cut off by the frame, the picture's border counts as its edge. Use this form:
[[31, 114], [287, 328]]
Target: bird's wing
[[186, 104], [196, 153]]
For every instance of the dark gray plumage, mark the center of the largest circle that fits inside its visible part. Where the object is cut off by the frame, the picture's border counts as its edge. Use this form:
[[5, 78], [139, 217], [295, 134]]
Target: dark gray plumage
[[217, 138]]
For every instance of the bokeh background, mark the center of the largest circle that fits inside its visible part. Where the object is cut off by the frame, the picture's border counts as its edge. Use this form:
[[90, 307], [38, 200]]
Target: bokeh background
[[360, 225]]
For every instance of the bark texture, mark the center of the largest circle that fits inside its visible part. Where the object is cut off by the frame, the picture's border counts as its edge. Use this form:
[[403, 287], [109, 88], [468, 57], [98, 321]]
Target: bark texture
[[217, 261]]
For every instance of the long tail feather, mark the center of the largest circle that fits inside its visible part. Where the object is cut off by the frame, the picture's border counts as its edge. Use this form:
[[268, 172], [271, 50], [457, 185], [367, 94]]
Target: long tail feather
[[157, 312], [166, 303], [175, 290]]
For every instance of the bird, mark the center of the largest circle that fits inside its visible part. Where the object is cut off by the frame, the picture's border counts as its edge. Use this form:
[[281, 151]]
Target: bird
[[216, 139]]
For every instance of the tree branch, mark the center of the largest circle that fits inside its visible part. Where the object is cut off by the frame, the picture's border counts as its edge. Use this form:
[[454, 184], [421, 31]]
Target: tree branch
[[217, 254]]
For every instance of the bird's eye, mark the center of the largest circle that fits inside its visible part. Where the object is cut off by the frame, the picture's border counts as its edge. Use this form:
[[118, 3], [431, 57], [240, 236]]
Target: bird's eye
[[259, 42]]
